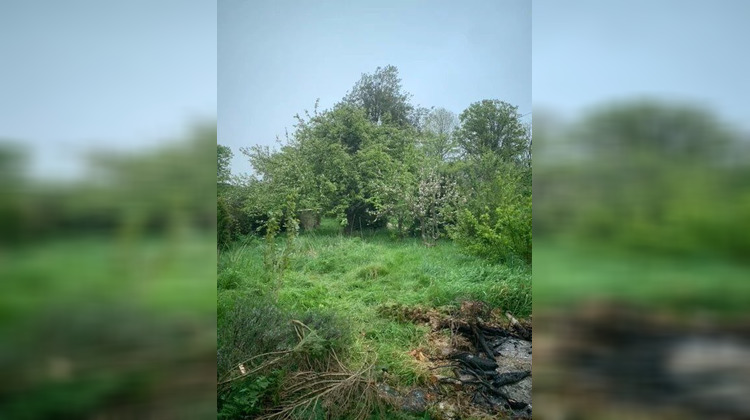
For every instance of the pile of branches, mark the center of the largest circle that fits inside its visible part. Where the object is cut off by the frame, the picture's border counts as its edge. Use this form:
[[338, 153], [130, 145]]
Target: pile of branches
[[338, 392], [330, 388], [480, 369]]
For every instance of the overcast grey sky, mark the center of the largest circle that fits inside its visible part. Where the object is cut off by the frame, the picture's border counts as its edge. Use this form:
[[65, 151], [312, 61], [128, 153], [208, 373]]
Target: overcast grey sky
[[276, 57], [589, 51], [83, 73]]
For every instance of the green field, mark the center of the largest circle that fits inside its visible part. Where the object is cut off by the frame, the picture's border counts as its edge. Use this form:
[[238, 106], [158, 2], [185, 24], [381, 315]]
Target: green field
[[168, 277], [568, 271], [99, 327], [354, 276]]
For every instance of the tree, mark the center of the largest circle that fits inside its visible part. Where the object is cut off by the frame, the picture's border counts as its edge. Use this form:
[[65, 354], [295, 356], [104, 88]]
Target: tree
[[391, 184], [382, 98], [223, 158], [438, 140], [492, 126], [318, 165], [434, 203], [653, 130]]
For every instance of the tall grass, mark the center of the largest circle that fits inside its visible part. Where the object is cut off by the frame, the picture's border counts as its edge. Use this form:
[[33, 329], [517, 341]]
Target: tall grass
[[353, 276]]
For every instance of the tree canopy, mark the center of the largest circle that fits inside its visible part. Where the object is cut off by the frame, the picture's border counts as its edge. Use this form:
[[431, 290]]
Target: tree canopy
[[374, 159], [492, 126], [381, 96]]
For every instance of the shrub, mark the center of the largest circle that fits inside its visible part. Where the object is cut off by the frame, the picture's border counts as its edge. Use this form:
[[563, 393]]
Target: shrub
[[252, 326], [500, 233]]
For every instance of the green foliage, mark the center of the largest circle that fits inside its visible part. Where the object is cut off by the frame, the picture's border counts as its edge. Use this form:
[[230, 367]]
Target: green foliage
[[501, 232], [500, 235], [369, 163], [380, 95], [493, 126], [223, 159], [372, 161], [438, 142], [245, 398], [225, 224], [648, 176], [276, 260], [251, 327]]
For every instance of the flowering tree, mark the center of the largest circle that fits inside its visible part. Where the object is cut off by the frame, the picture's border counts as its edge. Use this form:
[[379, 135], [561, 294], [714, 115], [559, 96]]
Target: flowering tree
[[434, 204]]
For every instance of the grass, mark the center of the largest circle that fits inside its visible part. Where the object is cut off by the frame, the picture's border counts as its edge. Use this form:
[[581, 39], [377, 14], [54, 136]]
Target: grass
[[567, 272], [161, 276], [116, 317], [355, 275]]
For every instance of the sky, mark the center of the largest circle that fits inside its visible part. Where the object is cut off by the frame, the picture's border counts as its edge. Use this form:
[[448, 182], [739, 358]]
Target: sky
[[119, 75], [588, 52], [81, 74], [275, 58]]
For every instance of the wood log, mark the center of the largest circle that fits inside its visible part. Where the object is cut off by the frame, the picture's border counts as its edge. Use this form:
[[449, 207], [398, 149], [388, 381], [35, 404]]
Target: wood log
[[475, 362]]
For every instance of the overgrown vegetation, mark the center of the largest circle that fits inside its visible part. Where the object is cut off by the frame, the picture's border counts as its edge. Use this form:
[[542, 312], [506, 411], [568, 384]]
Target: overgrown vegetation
[[375, 159], [104, 282], [338, 286], [419, 207], [643, 200]]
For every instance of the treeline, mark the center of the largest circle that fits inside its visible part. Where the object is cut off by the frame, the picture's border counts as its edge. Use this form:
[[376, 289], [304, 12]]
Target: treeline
[[143, 192], [375, 160], [646, 175]]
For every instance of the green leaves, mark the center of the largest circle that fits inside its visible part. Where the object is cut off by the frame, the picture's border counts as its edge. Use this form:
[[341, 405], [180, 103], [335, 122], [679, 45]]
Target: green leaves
[[493, 126], [381, 96], [244, 401], [375, 159], [223, 158], [497, 226]]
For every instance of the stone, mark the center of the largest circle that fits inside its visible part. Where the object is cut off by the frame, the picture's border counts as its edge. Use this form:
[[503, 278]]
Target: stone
[[415, 402]]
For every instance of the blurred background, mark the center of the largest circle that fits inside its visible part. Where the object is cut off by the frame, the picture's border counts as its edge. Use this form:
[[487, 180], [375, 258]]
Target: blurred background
[[641, 209], [107, 214]]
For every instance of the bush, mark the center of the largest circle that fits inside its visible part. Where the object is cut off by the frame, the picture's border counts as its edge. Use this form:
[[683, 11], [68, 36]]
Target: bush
[[503, 233], [250, 326]]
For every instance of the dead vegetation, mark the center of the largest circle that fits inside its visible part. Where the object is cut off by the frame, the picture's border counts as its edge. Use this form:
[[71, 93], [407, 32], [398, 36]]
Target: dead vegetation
[[473, 354], [477, 362], [338, 391], [317, 384]]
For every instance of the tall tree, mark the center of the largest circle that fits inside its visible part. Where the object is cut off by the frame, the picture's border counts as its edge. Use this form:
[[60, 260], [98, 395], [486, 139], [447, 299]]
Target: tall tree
[[492, 126], [653, 130], [223, 158], [381, 96], [438, 140]]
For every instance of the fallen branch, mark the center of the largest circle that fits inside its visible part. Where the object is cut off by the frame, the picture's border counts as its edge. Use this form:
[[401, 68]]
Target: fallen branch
[[482, 342], [244, 372], [518, 327], [474, 362], [510, 377]]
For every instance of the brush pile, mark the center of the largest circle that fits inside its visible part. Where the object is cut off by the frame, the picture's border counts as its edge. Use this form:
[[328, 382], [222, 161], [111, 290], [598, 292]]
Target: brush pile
[[483, 367]]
